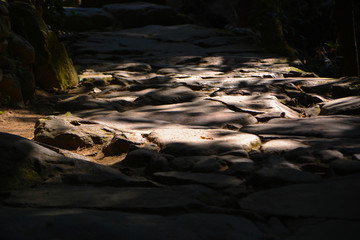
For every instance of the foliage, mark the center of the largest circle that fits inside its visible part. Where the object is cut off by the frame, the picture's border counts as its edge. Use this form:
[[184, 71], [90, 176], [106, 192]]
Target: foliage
[[309, 26]]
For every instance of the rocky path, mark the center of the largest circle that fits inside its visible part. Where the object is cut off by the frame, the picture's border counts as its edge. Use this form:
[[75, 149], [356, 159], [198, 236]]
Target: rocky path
[[186, 132]]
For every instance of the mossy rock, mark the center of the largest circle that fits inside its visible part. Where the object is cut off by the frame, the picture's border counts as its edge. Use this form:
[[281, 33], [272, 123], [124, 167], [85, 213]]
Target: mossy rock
[[52, 68]]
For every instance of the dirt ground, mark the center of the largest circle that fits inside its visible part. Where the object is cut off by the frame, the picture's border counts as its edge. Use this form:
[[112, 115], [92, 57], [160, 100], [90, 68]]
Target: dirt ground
[[18, 121]]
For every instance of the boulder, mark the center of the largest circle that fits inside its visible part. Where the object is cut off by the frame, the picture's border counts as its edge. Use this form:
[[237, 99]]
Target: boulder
[[121, 143], [102, 198], [241, 168], [194, 113], [328, 155], [208, 165], [25, 163], [256, 105], [52, 68], [347, 105], [329, 230], [166, 96], [280, 175], [20, 49], [212, 180], [10, 91], [71, 133], [345, 166], [85, 19], [336, 127], [138, 14], [201, 142], [282, 145], [334, 198], [116, 224], [149, 160], [187, 162]]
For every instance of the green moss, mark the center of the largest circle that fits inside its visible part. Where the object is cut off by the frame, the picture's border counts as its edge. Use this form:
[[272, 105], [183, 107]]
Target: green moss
[[52, 68], [60, 61], [22, 178], [67, 114]]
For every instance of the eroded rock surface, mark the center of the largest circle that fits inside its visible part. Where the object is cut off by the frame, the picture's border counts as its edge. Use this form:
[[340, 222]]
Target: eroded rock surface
[[192, 130]]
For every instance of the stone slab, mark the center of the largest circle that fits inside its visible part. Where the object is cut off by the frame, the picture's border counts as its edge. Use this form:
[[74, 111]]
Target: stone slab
[[201, 142], [208, 179], [92, 224], [335, 198], [339, 126]]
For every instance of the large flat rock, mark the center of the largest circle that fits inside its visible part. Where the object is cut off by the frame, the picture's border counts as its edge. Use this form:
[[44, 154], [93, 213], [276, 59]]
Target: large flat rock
[[196, 113], [335, 198], [346, 105], [25, 163], [323, 126], [208, 179], [257, 104], [328, 230], [91, 224], [84, 19], [63, 196], [201, 142], [139, 14]]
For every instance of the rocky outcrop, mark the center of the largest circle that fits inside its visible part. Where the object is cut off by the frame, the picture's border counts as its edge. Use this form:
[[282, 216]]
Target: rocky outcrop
[[85, 19], [30, 55], [52, 67], [191, 128]]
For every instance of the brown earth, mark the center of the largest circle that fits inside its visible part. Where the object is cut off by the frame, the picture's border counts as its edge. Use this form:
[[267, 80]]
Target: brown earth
[[19, 121]]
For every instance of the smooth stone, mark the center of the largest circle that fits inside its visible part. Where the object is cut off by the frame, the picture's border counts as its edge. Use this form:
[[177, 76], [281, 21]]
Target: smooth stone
[[74, 224], [328, 155], [347, 106], [187, 163], [84, 102], [356, 157], [280, 146], [241, 168], [178, 33], [345, 166], [25, 163], [151, 160], [70, 132], [333, 198], [85, 19], [166, 96], [121, 143], [231, 159], [208, 165], [133, 67], [138, 14], [300, 155], [201, 142], [321, 126], [238, 153], [283, 175], [101, 198], [194, 113], [208, 179], [59, 132], [328, 230], [257, 104]]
